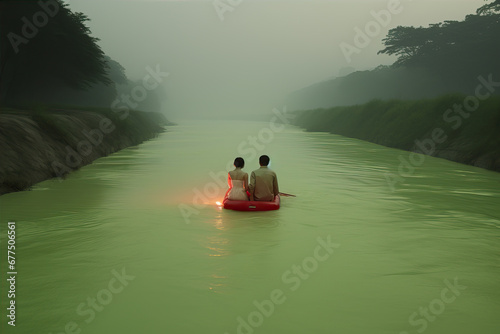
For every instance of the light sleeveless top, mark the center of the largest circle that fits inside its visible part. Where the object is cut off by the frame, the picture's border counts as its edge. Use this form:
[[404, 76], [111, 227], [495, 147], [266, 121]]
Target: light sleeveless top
[[238, 192]]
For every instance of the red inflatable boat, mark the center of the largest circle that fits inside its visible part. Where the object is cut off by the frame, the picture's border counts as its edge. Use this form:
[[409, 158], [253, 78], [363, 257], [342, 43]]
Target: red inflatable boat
[[251, 205]]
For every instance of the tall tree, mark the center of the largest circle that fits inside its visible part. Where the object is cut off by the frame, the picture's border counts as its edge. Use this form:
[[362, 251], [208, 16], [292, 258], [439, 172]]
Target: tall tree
[[490, 8], [43, 44], [471, 44]]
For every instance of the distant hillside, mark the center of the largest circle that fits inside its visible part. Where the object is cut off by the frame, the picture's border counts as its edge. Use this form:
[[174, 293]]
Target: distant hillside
[[381, 83], [443, 58]]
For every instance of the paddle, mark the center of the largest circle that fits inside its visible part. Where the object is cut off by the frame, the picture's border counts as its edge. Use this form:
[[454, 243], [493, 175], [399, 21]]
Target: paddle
[[287, 195]]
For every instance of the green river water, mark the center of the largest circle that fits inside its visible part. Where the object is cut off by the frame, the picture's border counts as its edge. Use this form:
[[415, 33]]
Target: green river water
[[134, 243]]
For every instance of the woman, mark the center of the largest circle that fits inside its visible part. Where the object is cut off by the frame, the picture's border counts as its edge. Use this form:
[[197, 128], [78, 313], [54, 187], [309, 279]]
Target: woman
[[238, 182]]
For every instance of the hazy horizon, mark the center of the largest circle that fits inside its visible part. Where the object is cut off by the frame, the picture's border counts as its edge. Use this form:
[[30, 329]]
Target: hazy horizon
[[249, 62]]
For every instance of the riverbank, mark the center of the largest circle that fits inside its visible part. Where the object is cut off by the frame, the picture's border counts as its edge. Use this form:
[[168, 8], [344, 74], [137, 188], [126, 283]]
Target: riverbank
[[453, 127], [40, 144]]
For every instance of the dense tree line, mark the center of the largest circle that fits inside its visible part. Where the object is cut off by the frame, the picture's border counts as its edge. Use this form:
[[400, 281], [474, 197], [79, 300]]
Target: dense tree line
[[452, 48], [44, 44], [48, 56], [442, 58]]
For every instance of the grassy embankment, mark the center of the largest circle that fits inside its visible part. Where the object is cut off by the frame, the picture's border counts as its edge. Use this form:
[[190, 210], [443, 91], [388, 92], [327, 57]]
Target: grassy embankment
[[469, 137], [42, 143]]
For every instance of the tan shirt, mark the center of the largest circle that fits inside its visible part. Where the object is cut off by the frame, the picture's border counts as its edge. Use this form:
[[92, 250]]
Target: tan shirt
[[263, 184]]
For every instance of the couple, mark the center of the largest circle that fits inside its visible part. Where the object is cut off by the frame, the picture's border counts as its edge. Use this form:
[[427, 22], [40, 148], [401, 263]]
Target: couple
[[263, 182]]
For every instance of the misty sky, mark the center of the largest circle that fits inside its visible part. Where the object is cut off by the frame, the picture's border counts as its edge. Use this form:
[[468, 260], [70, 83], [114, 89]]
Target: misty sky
[[263, 50]]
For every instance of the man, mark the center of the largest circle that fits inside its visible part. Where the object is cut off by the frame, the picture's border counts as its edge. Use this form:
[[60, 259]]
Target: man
[[263, 182]]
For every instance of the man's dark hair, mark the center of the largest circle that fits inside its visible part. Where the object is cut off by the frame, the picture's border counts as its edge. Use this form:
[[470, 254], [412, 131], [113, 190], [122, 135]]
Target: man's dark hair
[[239, 162], [264, 160]]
